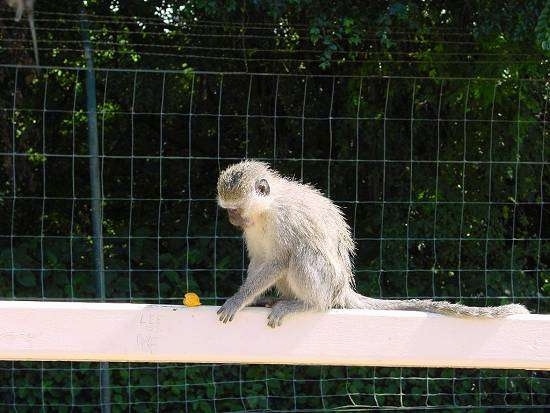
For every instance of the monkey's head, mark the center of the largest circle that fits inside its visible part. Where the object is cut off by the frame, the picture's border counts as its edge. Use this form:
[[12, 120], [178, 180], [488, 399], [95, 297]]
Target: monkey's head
[[244, 190]]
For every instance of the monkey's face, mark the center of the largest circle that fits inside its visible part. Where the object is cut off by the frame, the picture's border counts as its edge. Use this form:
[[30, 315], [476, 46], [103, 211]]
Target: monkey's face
[[237, 219], [243, 209], [244, 193]]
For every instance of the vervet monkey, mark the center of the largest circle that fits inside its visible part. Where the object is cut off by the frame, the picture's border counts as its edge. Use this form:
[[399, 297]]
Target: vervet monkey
[[299, 243], [27, 7]]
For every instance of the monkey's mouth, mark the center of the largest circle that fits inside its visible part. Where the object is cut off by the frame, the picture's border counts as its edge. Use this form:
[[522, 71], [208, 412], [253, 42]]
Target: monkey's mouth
[[233, 214], [236, 218]]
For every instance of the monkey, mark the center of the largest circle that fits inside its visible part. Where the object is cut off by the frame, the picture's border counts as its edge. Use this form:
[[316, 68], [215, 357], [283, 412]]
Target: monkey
[[27, 7], [299, 242]]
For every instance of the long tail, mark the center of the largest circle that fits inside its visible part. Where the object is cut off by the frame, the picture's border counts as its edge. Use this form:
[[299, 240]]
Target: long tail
[[355, 300]]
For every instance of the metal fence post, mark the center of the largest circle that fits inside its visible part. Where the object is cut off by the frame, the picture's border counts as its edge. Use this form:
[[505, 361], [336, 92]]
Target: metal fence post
[[96, 202]]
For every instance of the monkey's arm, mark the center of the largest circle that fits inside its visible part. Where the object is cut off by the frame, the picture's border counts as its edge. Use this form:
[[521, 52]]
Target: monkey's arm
[[259, 278]]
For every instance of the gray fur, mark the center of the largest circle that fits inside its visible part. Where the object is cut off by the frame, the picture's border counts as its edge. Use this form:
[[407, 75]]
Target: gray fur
[[299, 242]]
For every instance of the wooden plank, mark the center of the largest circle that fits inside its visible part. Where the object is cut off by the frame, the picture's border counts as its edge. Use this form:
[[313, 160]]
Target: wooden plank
[[32, 330]]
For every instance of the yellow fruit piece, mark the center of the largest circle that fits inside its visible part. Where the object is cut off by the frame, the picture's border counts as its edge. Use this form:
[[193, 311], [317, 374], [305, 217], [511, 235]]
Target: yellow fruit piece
[[191, 300]]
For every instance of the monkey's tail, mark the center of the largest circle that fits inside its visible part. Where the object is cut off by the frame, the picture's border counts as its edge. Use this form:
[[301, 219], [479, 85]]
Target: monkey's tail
[[355, 300]]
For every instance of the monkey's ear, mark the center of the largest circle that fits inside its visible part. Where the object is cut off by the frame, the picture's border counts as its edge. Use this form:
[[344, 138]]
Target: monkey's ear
[[262, 187]]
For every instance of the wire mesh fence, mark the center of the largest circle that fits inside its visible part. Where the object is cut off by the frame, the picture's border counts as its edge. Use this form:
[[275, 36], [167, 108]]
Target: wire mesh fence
[[443, 179]]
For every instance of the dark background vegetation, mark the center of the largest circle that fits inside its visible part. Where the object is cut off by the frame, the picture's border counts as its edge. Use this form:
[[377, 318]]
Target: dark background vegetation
[[426, 121]]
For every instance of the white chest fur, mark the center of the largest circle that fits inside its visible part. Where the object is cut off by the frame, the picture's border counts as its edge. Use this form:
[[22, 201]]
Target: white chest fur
[[259, 242]]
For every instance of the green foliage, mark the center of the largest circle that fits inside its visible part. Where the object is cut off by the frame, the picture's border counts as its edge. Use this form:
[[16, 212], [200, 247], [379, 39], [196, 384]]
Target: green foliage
[[542, 30], [448, 158]]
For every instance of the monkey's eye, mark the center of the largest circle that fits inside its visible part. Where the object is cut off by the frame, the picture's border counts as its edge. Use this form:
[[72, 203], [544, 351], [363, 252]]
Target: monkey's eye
[[262, 187]]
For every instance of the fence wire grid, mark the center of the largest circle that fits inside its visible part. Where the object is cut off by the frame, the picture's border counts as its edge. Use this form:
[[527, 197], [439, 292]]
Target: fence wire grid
[[443, 180], [445, 196]]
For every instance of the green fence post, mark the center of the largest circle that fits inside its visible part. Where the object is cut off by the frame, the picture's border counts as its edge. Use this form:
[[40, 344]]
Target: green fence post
[[96, 207]]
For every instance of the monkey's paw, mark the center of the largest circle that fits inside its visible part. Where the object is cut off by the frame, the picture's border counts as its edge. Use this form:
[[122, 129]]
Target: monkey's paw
[[275, 317], [228, 310]]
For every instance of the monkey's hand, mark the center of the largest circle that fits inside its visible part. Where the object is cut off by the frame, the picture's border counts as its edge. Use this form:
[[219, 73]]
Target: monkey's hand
[[228, 310], [258, 280]]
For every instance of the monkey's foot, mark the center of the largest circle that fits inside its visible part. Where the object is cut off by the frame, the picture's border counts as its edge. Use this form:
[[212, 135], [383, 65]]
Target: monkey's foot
[[228, 310], [283, 308]]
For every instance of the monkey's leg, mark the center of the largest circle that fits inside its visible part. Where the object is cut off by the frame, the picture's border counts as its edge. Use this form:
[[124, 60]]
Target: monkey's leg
[[265, 301], [259, 279], [283, 308]]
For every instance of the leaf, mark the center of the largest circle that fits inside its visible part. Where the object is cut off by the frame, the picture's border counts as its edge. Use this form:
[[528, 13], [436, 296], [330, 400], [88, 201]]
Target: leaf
[[542, 29]]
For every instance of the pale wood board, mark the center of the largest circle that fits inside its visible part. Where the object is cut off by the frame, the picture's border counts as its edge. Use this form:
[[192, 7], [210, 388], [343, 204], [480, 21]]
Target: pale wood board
[[78, 331]]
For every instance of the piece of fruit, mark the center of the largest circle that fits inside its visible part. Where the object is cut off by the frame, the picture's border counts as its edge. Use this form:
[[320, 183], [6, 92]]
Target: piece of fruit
[[191, 300]]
